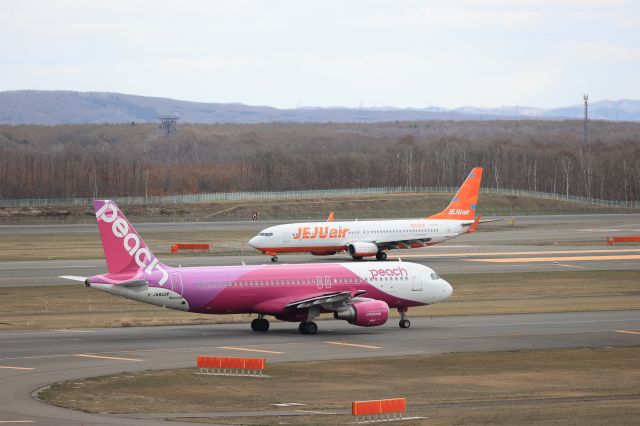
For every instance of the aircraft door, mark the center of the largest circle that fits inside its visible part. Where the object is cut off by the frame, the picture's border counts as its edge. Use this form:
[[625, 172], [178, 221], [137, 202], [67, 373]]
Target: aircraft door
[[416, 282], [176, 285], [286, 235]]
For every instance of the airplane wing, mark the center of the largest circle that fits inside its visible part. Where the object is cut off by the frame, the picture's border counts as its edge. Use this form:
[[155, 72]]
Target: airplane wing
[[330, 298], [329, 301], [403, 244]]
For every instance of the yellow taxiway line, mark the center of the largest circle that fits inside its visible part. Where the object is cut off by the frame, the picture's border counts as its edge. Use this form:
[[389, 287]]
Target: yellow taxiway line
[[557, 259], [117, 358], [234, 348], [15, 368], [353, 345], [627, 331]]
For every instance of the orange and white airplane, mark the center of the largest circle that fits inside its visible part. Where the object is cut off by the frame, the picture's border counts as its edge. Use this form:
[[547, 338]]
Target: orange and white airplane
[[374, 237]]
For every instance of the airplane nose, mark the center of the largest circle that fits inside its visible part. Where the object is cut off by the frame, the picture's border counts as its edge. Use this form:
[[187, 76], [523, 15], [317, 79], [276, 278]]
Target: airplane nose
[[253, 241], [447, 290]]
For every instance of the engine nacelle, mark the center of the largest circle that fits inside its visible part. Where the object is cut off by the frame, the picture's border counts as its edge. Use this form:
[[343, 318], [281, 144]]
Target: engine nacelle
[[362, 249], [369, 313]]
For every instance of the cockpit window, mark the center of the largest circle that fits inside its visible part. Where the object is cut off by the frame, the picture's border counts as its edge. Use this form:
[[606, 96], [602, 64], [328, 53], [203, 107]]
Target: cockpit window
[[265, 234], [434, 276]]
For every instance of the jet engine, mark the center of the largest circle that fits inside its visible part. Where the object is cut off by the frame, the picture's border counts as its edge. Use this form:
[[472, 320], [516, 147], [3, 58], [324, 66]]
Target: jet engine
[[369, 313], [362, 249]]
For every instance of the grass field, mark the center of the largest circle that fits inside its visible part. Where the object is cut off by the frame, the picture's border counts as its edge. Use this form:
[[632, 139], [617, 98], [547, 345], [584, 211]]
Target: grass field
[[563, 387], [54, 307], [404, 205]]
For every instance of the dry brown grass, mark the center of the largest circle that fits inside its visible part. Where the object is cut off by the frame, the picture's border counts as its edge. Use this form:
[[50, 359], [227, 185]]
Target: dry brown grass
[[57, 307], [584, 386], [89, 246]]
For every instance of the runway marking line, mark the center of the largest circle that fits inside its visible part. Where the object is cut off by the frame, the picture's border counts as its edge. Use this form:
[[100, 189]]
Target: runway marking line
[[556, 259], [353, 345], [235, 348], [8, 367], [627, 331], [571, 266], [117, 358], [16, 421]]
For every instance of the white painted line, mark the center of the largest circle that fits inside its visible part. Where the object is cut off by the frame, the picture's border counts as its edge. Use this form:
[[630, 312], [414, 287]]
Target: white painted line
[[627, 331], [571, 266], [354, 345], [9, 422], [117, 358], [234, 348], [315, 412], [15, 368]]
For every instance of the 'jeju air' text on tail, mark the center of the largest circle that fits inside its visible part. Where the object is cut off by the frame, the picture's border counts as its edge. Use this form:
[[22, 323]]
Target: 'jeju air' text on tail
[[124, 250], [463, 205]]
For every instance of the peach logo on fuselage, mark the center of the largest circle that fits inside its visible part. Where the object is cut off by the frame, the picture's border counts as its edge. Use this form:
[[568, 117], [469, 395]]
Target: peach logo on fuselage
[[309, 233], [398, 271]]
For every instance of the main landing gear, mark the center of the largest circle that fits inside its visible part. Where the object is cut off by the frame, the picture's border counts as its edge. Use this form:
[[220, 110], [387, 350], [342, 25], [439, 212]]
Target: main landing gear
[[381, 255], [260, 323], [274, 259], [308, 327], [404, 322]]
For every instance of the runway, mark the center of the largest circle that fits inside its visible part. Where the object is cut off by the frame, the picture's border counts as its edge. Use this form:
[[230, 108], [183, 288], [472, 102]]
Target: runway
[[533, 243], [445, 259], [31, 359]]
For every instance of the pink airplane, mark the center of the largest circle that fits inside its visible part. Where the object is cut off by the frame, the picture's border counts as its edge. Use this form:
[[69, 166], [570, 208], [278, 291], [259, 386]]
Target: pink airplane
[[360, 293]]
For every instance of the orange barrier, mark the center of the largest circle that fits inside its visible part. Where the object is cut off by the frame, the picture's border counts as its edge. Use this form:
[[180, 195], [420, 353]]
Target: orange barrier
[[190, 246], [379, 407], [230, 366], [624, 239]]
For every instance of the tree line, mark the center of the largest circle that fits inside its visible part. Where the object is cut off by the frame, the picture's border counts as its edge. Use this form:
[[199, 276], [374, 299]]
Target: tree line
[[109, 160]]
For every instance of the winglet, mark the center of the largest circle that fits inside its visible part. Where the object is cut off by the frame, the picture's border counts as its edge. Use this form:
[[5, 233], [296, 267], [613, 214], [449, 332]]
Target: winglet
[[463, 204], [330, 218]]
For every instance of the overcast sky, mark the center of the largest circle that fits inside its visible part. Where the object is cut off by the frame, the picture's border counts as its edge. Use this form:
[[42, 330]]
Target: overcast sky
[[325, 53]]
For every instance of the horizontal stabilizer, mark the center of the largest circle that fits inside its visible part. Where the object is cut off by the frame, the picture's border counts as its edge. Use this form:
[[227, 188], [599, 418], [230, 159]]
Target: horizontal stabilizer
[[73, 278]]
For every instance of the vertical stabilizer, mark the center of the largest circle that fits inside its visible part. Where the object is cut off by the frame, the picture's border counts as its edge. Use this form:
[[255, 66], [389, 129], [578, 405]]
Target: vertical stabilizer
[[124, 250], [463, 205]]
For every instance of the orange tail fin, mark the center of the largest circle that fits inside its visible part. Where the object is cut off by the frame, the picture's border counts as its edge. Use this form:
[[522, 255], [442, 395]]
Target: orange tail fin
[[463, 205]]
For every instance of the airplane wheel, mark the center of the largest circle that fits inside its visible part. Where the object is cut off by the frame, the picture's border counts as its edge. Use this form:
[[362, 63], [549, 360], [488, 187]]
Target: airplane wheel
[[308, 327], [381, 255], [263, 324], [405, 323], [260, 324], [274, 259]]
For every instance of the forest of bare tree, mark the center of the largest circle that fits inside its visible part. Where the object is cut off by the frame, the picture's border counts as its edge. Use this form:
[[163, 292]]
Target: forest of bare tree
[[108, 160]]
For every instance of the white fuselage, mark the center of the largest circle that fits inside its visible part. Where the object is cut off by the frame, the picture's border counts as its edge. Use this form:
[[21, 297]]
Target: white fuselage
[[319, 237]]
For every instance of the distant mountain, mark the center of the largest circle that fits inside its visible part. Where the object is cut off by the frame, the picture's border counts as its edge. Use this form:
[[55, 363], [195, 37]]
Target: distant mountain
[[65, 107]]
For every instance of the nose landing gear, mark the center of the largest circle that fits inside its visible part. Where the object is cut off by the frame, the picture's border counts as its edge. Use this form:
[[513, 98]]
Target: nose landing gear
[[404, 321]]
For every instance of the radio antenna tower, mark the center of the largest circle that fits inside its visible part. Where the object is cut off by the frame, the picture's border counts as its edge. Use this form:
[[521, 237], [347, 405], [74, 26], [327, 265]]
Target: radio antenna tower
[[168, 124], [586, 119]]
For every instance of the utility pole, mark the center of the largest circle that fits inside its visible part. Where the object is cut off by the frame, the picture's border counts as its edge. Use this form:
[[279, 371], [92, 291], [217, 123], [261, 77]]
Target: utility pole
[[586, 119]]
